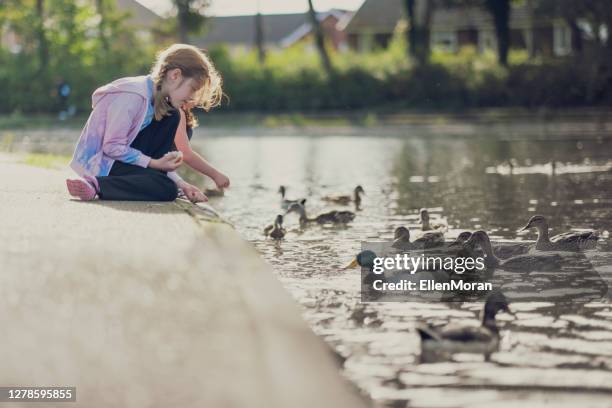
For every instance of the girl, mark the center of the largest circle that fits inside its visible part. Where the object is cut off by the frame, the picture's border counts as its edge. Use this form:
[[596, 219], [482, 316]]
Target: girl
[[126, 150]]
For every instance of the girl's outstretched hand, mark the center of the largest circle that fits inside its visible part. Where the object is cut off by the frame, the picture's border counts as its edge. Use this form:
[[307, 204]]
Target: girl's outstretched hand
[[221, 180], [194, 194]]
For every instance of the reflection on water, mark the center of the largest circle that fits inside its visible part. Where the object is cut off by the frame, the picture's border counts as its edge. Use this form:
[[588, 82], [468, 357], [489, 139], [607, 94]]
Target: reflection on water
[[550, 350], [545, 350]]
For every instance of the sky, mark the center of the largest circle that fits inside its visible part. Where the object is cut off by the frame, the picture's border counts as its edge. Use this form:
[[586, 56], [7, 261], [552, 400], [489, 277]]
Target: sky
[[237, 7]]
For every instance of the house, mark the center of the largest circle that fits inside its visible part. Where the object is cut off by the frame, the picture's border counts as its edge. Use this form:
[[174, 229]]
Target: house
[[141, 18], [451, 28], [279, 30], [373, 25]]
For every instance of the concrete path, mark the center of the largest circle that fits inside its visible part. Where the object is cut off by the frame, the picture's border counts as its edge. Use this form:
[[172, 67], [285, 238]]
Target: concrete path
[[146, 305]]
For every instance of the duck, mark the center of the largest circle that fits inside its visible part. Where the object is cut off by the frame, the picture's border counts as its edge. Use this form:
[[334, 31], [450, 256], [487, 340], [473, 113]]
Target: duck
[[401, 239], [569, 241], [275, 230], [483, 339], [365, 259], [502, 251], [528, 262], [461, 238], [330, 217], [285, 202], [346, 199], [425, 223]]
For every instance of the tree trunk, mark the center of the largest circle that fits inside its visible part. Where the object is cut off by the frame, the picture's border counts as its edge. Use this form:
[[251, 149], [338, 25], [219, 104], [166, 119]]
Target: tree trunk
[[182, 17], [411, 34], [101, 10], [43, 46], [500, 10], [259, 38], [314, 22], [419, 14]]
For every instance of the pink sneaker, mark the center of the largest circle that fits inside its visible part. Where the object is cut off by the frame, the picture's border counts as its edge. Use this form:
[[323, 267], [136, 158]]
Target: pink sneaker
[[86, 189]]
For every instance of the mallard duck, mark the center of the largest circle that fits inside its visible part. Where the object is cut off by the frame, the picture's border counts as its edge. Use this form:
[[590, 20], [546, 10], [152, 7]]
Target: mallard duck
[[331, 217], [426, 225], [275, 230], [483, 339], [461, 238], [365, 259], [401, 239], [285, 202], [346, 199], [569, 241], [502, 251], [521, 263]]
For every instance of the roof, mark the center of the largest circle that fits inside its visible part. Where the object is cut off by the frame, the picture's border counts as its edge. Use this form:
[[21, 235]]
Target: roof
[[241, 29], [139, 15], [376, 16], [381, 16], [475, 17], [306, 27]]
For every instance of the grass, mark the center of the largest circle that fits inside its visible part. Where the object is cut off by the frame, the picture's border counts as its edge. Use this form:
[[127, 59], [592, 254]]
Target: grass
[[46, 160], [39, 121]]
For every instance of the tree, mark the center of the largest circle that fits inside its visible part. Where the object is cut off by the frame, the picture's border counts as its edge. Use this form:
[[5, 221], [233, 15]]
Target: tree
[[500, 10], [319, 40], [418, 14], [189, 17], [259, 38], [43, 46]]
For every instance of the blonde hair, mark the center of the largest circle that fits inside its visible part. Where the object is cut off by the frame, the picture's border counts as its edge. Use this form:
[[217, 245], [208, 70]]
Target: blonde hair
[[194, 64]]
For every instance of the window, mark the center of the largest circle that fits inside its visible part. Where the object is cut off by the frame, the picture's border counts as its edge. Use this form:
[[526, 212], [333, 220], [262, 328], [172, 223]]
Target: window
[[444, 40], [562, 39]]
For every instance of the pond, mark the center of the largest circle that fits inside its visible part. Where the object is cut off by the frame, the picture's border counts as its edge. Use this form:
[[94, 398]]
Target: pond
[[477, 182], [487, 181]]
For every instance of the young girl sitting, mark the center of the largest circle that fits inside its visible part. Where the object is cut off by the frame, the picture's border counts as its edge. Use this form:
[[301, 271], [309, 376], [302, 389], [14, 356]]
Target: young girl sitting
[[127, 149]]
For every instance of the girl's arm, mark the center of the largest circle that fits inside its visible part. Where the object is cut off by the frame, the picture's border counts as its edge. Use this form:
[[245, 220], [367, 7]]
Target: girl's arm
[[119, 118], [193, 159]]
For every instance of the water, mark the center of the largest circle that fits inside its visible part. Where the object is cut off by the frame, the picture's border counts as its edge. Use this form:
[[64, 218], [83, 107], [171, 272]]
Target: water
[[471, 183], [550, 354]]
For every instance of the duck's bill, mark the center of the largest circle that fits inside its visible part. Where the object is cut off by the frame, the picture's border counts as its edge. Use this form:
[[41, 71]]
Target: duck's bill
[[352, 265], [525, 228], [509, 311]]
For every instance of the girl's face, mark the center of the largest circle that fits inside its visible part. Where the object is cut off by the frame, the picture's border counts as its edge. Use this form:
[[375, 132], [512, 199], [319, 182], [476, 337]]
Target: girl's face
[[181, 90]]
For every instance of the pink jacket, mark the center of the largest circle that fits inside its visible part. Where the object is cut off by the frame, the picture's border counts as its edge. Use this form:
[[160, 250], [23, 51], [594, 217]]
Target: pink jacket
[[119, 109]]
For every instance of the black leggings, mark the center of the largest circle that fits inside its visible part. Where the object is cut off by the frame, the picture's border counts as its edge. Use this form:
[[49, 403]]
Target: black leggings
[[129, 182]]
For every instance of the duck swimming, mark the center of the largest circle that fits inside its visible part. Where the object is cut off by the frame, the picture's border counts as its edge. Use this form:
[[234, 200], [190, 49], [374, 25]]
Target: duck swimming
[[502, 251], [346, 199], [275, 230], [521, 263], [331, 217], [425, 223], [285, 202], [569, 241], [401, 239], [483, 339]]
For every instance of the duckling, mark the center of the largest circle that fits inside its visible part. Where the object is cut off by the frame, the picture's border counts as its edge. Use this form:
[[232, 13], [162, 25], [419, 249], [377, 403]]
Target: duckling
[[521, 263], [331, 217], [285, 202], [346, 199], [275, 230], [401, 239], [569, 241], [426, 225], [466, 339]]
